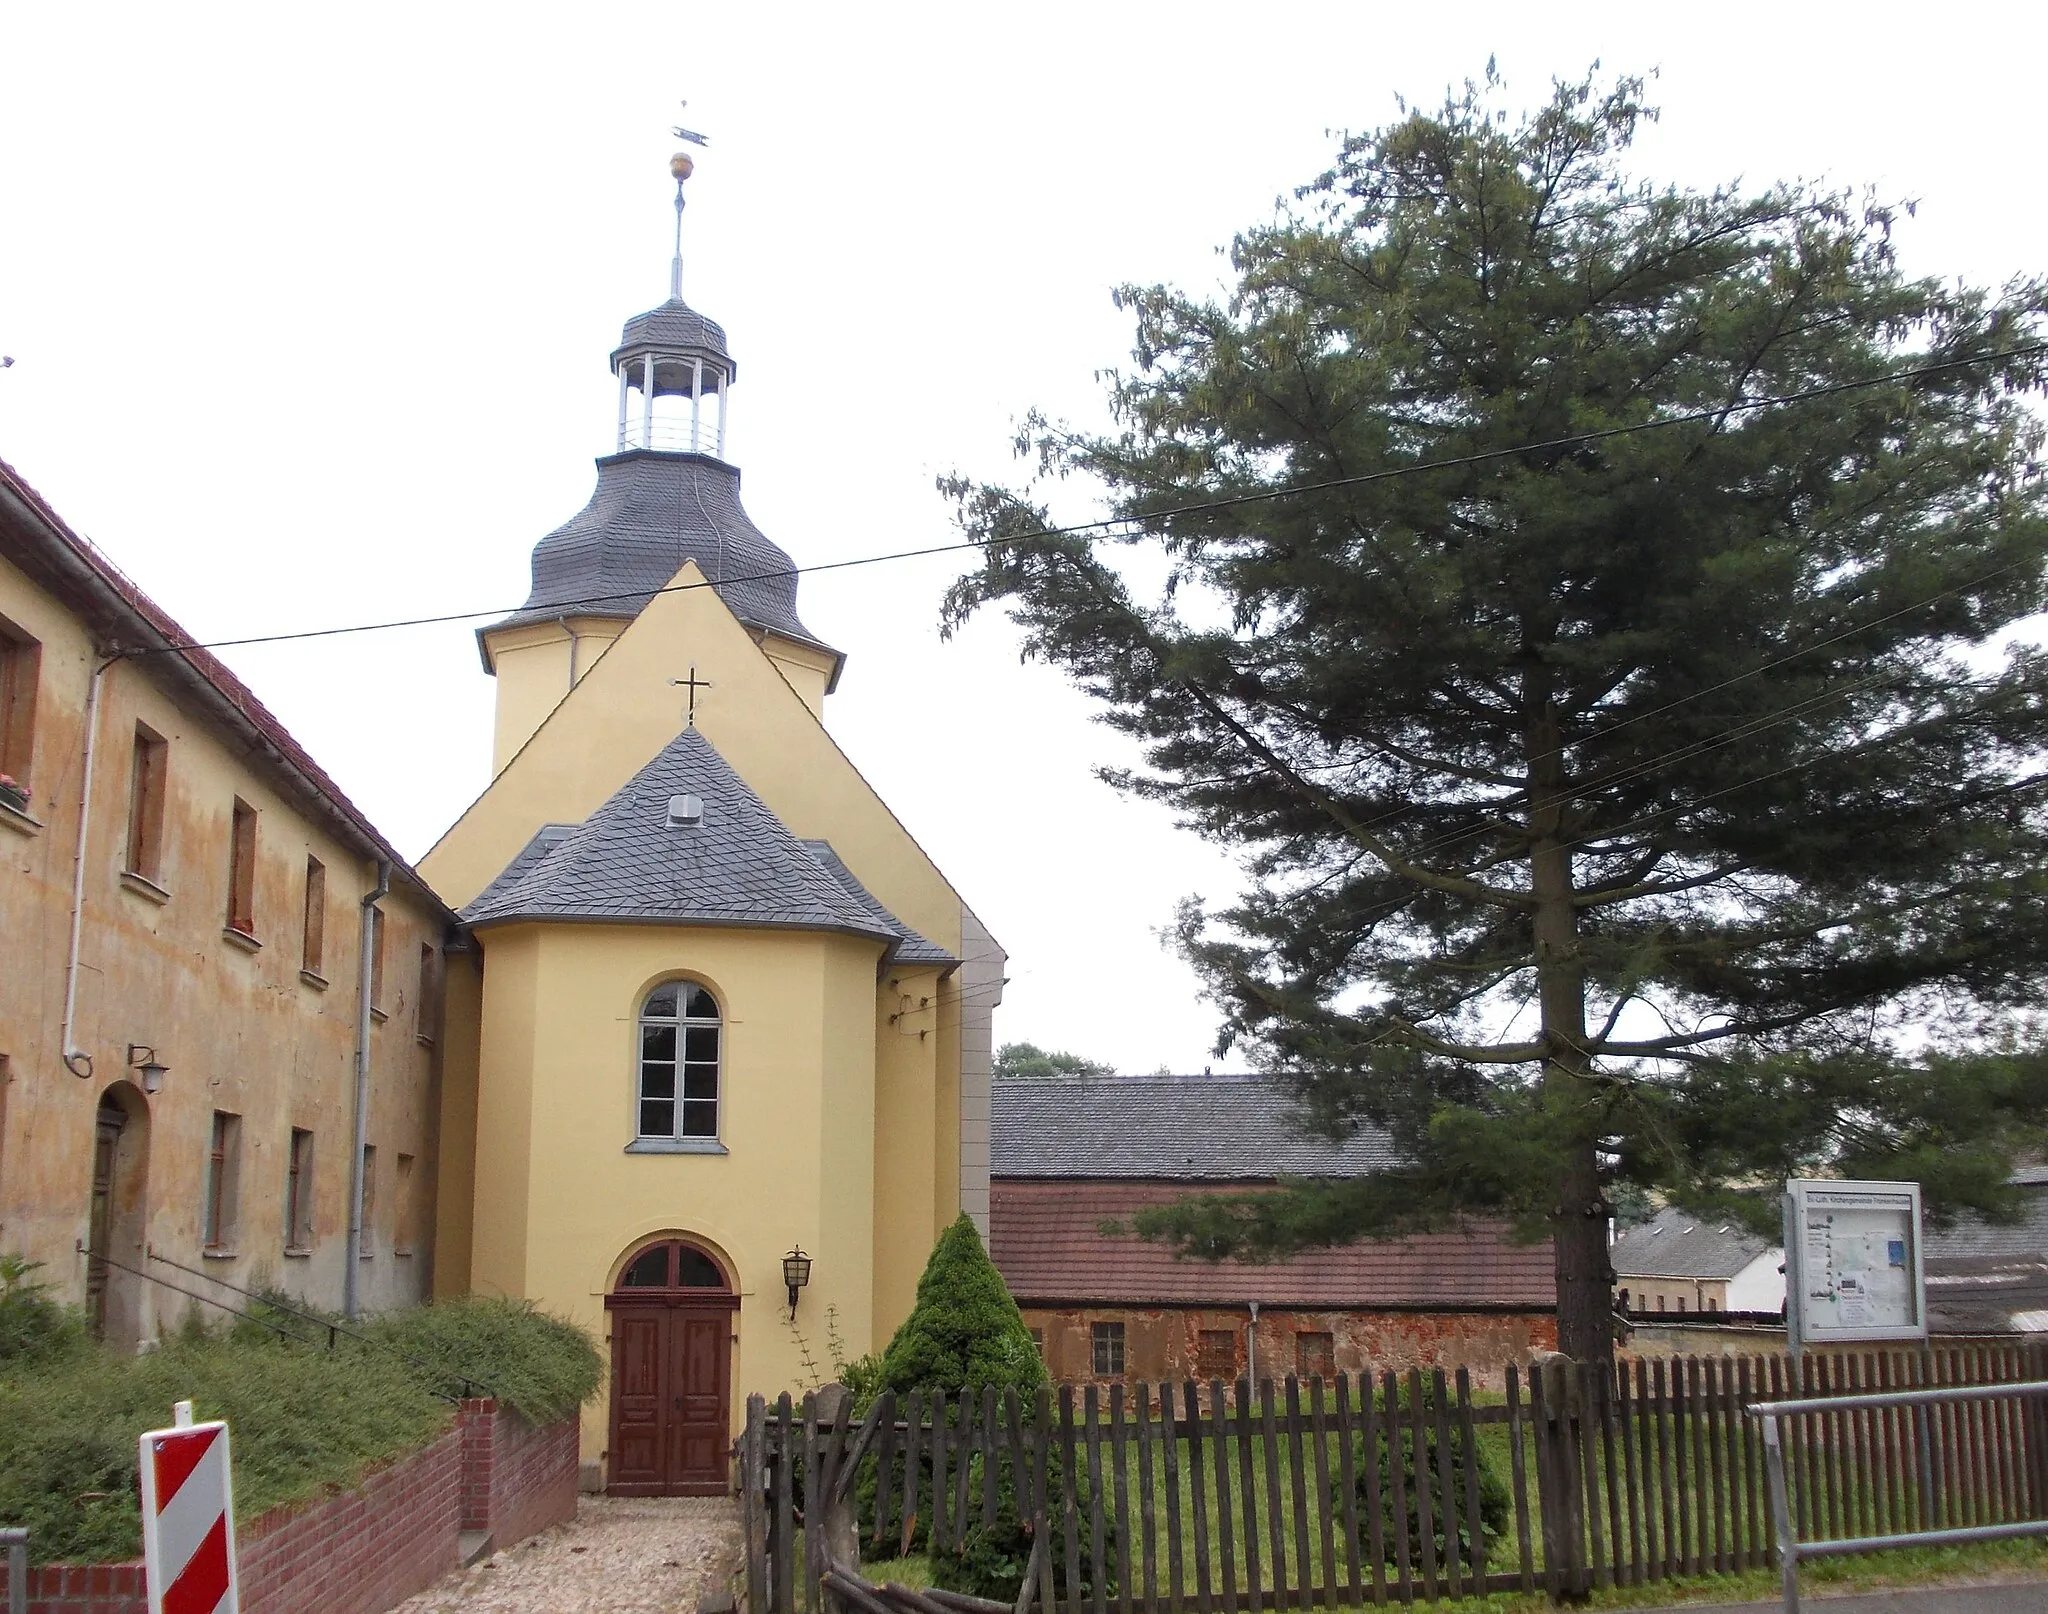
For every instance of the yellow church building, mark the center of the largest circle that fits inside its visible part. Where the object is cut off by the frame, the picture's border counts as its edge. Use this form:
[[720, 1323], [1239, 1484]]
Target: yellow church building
[[676, 1032], [724, 1024]]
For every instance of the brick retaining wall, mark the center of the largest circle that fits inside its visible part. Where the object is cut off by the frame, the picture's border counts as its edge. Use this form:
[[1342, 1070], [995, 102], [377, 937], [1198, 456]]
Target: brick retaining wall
[[367, 1549]]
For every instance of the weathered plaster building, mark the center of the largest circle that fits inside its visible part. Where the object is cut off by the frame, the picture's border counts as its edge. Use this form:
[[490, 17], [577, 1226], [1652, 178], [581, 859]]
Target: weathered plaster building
[[181, 951], [1072, 1155]]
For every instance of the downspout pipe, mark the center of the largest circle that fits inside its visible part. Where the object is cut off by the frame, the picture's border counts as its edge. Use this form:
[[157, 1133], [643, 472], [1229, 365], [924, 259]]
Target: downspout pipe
[[1251, 1348], [563, 623], [366, 958], [76, 1060]]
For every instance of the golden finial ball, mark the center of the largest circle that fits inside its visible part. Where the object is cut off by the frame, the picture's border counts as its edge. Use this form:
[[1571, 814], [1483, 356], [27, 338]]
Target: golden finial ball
[[681, 166]]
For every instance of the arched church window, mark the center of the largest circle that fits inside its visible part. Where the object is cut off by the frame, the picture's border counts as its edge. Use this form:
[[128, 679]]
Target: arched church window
[[680, 1034]]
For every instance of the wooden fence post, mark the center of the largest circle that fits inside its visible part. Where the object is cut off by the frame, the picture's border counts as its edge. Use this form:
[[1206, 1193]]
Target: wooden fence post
[[1558, 1480]]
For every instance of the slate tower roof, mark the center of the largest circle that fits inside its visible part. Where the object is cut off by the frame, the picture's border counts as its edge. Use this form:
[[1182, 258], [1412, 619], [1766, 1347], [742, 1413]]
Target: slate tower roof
[[631, 863], [650, 512], [667, 496]]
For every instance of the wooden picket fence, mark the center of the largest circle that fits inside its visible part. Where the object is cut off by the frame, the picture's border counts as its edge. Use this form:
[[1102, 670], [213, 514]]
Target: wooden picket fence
[[1201, 1499]]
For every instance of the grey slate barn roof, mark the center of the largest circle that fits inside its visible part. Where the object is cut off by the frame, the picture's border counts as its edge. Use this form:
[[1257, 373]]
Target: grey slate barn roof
[[740, 866], [1210, 1129], [651, 512], [1987, 1279], [1678, 1244]]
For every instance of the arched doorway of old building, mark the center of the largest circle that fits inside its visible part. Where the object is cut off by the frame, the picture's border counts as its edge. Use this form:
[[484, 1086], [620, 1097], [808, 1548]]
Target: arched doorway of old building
[[672, 1315], [118, 1216]]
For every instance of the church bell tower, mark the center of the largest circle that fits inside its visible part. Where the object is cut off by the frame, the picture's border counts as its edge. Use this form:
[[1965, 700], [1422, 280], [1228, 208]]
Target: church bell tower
[[667, 494]]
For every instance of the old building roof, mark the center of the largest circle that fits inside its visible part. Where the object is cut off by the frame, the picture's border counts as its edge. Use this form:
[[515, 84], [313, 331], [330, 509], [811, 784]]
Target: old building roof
[[739, 865], [1678, 1244], [1046, 1239], [1209, 1128], [1986, 1278], [39, 541]]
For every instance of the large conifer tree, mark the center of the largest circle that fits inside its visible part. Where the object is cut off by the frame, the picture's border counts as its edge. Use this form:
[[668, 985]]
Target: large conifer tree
[[1623, 806]]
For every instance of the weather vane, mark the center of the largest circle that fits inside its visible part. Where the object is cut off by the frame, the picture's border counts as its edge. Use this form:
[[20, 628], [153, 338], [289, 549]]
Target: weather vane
[[682, 167]]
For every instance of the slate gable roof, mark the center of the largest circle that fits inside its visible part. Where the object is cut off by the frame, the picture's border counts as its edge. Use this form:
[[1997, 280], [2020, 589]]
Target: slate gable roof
[[1678, 1244], [740, 866], [1166, 1128], [913, 948]]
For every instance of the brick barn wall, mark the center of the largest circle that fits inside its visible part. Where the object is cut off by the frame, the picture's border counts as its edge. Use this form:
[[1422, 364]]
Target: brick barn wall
[[367, 1549], [1166, 1342]]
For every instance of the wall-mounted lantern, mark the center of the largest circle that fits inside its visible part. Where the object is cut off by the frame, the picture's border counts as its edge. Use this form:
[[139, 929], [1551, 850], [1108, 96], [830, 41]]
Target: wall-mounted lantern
[[796, 1274], [142, 1057]]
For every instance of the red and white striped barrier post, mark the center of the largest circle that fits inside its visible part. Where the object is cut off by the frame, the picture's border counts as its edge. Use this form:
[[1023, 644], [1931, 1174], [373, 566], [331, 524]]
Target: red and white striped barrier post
[[188, 1518]]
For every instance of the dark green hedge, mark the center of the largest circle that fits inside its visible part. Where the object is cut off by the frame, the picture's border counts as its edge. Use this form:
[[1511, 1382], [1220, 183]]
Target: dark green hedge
[[305, 1420]]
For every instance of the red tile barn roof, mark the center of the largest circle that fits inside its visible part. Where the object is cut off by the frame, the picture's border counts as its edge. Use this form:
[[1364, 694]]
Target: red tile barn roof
[[1046, 1241]]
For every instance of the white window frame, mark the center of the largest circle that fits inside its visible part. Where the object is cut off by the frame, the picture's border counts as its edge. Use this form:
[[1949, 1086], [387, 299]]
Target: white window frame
[[676, 1140]]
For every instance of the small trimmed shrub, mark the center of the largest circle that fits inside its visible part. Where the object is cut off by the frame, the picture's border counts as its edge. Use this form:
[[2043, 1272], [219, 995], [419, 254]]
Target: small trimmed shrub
[[965, 1331], [964, 1335], [1493, 1490]]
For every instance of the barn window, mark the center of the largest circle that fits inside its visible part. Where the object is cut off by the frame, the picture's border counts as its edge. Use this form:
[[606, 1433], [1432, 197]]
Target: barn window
[[1216, 1354], [680, 1032], [1108, 1340], [1315, 1355]]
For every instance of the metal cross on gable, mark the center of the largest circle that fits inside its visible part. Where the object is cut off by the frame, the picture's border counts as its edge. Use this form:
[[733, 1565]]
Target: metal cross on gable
[[692, 683]]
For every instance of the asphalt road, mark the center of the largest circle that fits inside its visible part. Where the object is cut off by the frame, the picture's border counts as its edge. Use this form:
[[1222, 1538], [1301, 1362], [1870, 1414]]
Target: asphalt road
[[2023, 1597]]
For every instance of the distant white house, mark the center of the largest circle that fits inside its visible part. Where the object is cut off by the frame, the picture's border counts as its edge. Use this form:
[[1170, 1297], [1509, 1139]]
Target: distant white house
[[1680, 1263]]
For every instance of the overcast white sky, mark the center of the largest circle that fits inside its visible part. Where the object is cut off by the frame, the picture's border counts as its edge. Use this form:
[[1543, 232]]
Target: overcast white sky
[[310, 311]]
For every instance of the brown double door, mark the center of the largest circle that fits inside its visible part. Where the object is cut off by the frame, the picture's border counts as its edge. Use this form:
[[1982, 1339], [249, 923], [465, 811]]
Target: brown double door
[[671, 1394]]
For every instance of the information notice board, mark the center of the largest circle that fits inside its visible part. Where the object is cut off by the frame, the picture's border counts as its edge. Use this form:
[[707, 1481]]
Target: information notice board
[[1852, 1262]]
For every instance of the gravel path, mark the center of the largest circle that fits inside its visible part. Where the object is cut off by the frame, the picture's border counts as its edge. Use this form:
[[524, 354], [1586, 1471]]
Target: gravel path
[[620, 1555]]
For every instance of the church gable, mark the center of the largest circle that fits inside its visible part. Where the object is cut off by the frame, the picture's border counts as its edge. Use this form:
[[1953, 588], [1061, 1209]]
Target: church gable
[[624, 711], [684, 841]]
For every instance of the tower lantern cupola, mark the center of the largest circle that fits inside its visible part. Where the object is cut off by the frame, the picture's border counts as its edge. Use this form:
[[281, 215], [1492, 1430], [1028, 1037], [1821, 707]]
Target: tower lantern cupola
[[667, 495], [673, 368]]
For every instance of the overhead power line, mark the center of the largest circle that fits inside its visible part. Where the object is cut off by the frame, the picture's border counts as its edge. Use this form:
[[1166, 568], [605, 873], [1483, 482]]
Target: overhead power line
[[1105, 526]]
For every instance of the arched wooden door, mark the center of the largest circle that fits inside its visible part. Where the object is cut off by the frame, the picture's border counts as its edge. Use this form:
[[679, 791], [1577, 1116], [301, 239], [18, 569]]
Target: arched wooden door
[[672, 1316]]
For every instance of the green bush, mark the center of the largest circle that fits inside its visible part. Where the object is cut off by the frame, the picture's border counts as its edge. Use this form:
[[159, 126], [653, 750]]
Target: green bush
[[964, 1332], [33, 1327], [1493, 1490], [541, 1367], [965, 1335], [305, 1419]]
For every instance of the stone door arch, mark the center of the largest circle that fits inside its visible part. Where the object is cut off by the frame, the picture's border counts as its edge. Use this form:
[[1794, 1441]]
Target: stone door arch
[[118, 1217]]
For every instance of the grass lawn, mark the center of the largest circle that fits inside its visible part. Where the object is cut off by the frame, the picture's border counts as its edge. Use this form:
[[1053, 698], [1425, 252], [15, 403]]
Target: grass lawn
[[1277, 1521]]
